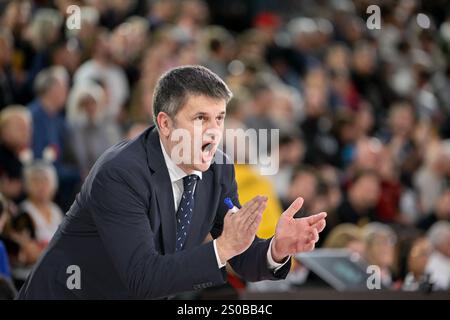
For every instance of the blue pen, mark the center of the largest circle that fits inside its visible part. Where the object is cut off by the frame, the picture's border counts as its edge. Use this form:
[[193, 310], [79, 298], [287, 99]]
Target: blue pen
[[230, 205]]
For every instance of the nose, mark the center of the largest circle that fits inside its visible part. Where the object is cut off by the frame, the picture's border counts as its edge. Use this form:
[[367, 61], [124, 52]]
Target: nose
[[212, 132]]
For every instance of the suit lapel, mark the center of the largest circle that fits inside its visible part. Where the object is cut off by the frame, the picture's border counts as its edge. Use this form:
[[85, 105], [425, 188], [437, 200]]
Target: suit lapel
[[163, 190], [164, 198]]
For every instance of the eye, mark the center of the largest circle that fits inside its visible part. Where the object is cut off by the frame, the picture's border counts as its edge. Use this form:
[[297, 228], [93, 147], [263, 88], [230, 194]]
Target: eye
[[200, 117], [220, 118]]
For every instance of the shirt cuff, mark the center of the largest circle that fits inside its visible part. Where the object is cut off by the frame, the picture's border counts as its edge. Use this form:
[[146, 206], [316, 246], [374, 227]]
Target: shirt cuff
[[272, 264], [219, 263]]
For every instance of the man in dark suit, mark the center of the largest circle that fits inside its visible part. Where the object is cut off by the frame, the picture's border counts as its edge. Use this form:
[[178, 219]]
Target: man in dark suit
[[138, 227]]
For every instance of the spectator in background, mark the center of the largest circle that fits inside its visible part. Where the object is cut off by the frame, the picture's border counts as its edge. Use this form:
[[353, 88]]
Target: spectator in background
[[39, 217], [380, 242], [388, 207], [50, 129], [7, 85], [416, 261], [39, 36], [259, 118], [399, 139], [15, 138], [321, 146], [66, 53], [85, 35], [430, 179], [90, 131], [367, 78], [330, 177], [219, 50], [365, 120], [11, 247], [4, 261], [192, 17], [358, 204], [127, 46], [102, 68], [304, 183], [345, 131], [287, 109], [290, 152], [440, 212], [438, 265], [348, 236], [365, 156], [49, 126], [161, 12], [7, 290]]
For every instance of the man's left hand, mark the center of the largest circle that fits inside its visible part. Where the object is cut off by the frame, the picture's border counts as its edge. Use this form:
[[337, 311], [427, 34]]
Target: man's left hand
[[296, 235]]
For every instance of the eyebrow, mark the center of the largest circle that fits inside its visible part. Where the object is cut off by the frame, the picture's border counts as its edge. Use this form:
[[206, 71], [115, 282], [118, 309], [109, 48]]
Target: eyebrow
[[206, 114]]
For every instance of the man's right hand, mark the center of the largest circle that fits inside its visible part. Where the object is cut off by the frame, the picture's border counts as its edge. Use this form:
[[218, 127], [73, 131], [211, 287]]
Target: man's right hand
[[239, 229]]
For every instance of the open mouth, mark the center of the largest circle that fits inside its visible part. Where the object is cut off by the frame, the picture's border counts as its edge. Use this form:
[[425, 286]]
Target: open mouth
[[207, 147], [207, 152]]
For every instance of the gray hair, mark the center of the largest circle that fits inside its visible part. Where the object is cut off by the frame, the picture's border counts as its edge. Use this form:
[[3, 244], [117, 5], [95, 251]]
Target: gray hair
[[377, 229], [437, 232], [80, 91], [14, 111], [44, 167], [47, 78], [174, 86], [45, 20]]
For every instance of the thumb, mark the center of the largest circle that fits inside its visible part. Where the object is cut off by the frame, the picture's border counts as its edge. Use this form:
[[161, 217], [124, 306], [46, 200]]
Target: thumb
[[294, 207]]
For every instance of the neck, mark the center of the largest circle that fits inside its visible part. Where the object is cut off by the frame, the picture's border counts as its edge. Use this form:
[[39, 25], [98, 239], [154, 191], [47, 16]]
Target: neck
[[40, 203]]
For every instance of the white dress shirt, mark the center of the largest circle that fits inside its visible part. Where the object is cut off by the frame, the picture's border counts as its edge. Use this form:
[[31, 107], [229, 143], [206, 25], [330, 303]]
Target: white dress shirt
[[176, 175]]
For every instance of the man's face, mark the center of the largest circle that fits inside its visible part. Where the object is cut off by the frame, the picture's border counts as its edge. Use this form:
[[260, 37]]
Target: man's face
[[195, 132], [369, 190], [58, 93]]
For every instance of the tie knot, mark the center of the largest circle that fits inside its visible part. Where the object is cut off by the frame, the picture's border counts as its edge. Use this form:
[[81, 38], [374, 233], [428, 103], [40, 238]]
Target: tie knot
[[189, 181]]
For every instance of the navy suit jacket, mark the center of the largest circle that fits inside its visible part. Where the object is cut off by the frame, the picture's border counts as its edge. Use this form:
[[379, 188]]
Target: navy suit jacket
[[120, 232]]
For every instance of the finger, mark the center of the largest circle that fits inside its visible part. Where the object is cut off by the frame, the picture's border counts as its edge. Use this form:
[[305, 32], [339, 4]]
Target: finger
[[245, 221], [319, 226], [316, 218], [258, 211], [243, 211], [315, 235], [250, 210], [294, 207], [310, 246], [255, 224], [227, 217], [256, 221]]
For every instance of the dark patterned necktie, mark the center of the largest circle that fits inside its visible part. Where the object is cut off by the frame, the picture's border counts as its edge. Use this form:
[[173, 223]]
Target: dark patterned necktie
[[185, 209]]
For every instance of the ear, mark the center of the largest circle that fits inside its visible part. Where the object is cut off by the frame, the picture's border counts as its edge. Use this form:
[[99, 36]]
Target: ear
[[164, 123]]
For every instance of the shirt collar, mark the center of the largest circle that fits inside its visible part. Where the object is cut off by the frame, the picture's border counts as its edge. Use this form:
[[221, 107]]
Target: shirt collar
[[175, 172]]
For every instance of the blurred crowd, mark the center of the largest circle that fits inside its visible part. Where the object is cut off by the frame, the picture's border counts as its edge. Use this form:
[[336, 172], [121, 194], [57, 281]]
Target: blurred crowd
[[364, 115]]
